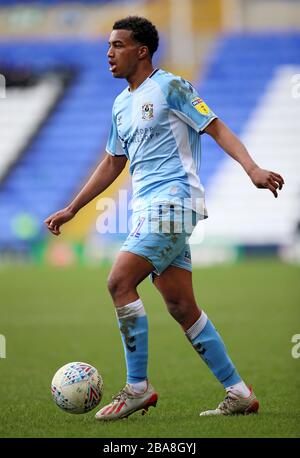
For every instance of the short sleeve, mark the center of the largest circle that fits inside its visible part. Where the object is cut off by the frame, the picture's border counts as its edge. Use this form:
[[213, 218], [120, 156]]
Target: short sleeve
[[185, 102], [114, 145]]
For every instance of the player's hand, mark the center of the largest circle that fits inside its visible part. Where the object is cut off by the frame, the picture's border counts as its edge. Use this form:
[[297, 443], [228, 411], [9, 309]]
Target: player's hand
[[54, 221], [267, 180]]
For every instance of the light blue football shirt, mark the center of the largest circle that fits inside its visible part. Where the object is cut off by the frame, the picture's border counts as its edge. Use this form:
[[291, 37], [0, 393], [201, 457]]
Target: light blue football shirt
[[158, 127]]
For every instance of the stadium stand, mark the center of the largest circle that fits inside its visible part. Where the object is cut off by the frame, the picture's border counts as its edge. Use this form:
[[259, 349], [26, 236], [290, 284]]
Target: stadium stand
[[68, 145], [248, 83], [237, 77]]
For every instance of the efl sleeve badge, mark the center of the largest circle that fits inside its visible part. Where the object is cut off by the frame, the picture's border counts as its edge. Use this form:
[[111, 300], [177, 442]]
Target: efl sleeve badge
[[200, 106]]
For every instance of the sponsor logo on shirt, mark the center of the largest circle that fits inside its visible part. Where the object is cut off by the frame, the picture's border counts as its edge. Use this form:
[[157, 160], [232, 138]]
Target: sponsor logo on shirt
[[147, 111], [143, 135], [200, 106]]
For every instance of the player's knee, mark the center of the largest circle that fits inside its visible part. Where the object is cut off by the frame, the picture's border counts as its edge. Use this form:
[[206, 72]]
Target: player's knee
[[179, 310], [117, 285], [113, 284]]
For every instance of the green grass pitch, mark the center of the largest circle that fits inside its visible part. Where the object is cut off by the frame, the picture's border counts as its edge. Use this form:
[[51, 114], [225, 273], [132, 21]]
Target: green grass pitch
[[50, 317]]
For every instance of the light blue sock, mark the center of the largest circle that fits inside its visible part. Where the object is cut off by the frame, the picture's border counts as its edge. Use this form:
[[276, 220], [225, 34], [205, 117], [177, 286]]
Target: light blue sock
[[133, 326], [209, 345]]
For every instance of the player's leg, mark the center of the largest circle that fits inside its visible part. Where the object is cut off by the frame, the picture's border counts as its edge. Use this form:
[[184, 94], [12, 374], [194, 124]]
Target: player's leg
[[175, 285], [146, 249], [127, 272]]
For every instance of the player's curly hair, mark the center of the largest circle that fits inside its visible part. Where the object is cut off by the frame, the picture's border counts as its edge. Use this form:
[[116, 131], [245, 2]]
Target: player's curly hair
[[143, 31]]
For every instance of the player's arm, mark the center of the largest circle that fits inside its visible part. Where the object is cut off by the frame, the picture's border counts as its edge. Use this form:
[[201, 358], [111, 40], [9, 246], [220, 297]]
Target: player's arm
[[105, 174], [237, 150]]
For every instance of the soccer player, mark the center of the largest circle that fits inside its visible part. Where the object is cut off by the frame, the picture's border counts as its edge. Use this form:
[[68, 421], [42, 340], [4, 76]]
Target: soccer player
[[157, 122]]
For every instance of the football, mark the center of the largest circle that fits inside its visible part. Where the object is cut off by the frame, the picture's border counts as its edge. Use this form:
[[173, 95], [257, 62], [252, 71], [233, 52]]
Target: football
[[77, 387]]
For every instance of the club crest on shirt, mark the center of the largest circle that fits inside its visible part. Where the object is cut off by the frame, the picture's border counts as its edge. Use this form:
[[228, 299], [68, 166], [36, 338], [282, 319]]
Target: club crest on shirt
[[200, 106], [147, 111]]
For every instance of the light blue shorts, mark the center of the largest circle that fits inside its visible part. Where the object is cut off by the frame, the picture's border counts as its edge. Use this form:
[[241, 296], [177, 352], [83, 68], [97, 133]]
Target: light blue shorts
[[160, 234]]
